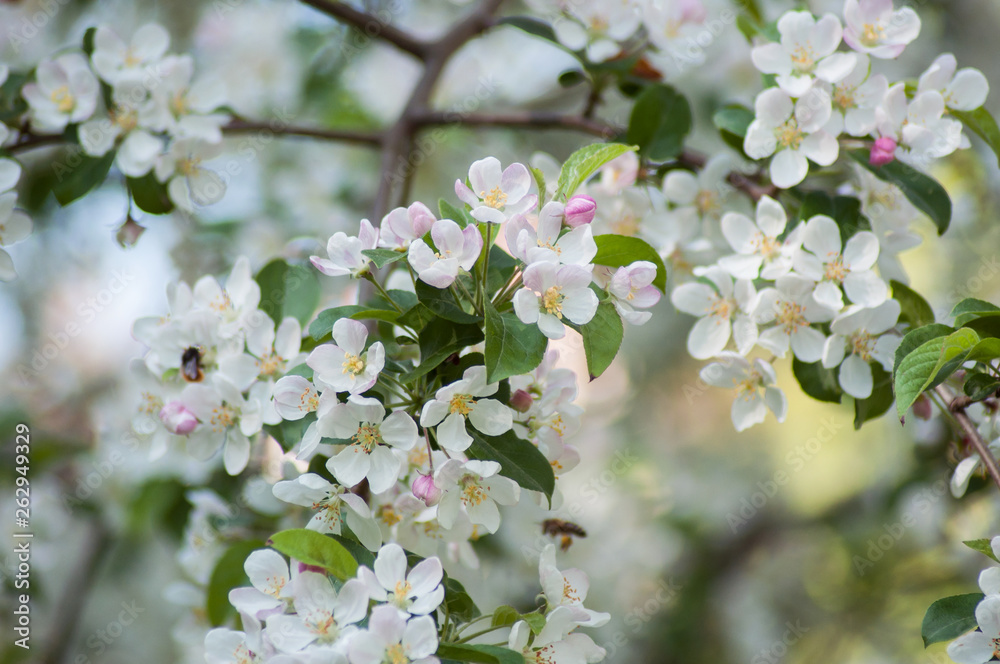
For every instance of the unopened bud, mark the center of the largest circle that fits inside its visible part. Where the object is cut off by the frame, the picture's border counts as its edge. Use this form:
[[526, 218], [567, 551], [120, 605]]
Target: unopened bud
[[580, 210], [883, 152], [520, 401], [922, 408], [129, 233], [311, 568], [426, 490], [178, 419]]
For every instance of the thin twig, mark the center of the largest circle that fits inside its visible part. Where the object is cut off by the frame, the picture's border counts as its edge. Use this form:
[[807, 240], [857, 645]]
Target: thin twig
[[344, 135], [519, 120], [372, 26], [957, 407]]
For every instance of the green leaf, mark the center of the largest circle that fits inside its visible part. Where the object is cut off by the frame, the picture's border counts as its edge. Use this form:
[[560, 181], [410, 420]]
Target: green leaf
[[288, 290], [289, 433], [12, 103], [817, 381], [923, 191], [150, 195], [602, 337], [880, 400], [382, 257], [512, 348], [984, 351], [930, 364], [618, 250], [982, 124], [914, 308], [466, 652], [983, 546], [323, 325], [971, 308], [949, 618], [76, 174], [442, 303], [979, 386], [505, 615], [584, 162], [918, 337], [458, 601], [660, 120], [536, 621], [459, 215], [228, 574], [539, 182], [313, 548], [438, 340], [732, 122], [532, 26], [519, 460]]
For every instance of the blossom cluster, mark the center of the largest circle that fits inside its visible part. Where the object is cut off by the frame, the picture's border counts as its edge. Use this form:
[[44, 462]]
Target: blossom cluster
[[979, 646], [15, 225]]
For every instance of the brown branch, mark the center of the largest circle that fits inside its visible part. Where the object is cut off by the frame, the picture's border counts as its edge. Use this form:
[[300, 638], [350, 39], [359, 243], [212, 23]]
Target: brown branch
[[29, 141], [746, 184], [957, 405], [371, 26], [344, 135], [519, 120]]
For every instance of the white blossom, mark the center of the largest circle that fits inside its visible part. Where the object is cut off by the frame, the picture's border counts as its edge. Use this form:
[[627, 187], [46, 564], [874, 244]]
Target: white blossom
[[754, 382]]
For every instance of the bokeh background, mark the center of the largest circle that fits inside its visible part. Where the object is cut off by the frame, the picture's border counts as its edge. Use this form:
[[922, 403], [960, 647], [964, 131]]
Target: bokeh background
[[705, 545]]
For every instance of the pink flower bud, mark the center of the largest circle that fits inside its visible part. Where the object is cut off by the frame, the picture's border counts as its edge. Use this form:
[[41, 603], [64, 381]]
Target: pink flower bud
[[426, 490], [580, 210], [520, 401], [311, 568], [178, 419], [922, 408], [883, 152]]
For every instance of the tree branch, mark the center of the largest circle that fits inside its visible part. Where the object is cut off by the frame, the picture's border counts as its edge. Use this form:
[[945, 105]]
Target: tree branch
[[344, 135], [755, 190], [520, 120], [957, 407], [371, 26]]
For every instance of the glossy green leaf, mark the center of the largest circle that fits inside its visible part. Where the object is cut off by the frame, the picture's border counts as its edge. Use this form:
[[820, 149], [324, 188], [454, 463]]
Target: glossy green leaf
[[929, 364], [983, 125], [150, 195], [438, 340], [442, 302], [817, 381], [602, 337], [922, 190], [512, 347], [914, 309], [583, 163], [949, 618], [228, 574], [77, 174], [288, 290], [971, 308], [880, 400], [382, 257], [457, 214], [618, 250], [313, 548], [659, 123], [979, 386], [732, 122], [917, 337], [519, 460], [983, 546], [458, 601], [536, 621], [466, 652], [505, 615]]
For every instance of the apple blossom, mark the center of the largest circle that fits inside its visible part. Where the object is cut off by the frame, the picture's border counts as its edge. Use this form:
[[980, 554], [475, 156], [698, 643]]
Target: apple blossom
[[699, 196], [496, 195], [345, 257], [374, 436], [793, 307], [630, 287], [979, 647], [855, 98], [792, 131], [552, 292], [833, 265], [917, 126], [329, 501], [177, 418], [567, 588], [544, 244], [183, 107], [598, 28], [404, 225], [345, 365], [138, 150], [426, 490], [117, 62], [457, 249], [965, 90], [756, 392], [556, 642], [271, 583], [759, 251], [724, 312], [861, 331], [808, 48], [464, 400], [871, 26], [580, 210], [64, 92], [883, 151], [323, 616], [227, 420], [416, 593], [14, 227], [390, 638], [188, 182], [475, 486]]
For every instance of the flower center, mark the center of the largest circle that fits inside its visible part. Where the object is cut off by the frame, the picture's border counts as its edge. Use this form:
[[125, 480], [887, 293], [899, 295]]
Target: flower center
[[803, 59], [308, 400], [395, 654], [223, 417], [627, 224], [368, 437], [790, 316], [329, 509], [871, 33], [63, 99], [552, 301], [179, 103], [496, 199], [766, 246], [862, 345], [472, 493], [126, 118], [843, 97], [789, 135], [836, 270], [706, 201], [388, 515], [747, 388], [150, 404], [271, 365], [353, 364], [401, 593], [324, 627], [461, 404], [722, 307], [188, 166]]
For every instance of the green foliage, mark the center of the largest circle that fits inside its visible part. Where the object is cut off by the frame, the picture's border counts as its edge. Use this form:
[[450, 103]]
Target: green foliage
[[459, 215], [970, 308], [442, 303], [923, 191], [930, 364], [505, 615], [288, 290], [979, 386], [950, 617], [982, 124], [618, 250], [440, 339], [228, 574], [12, 104], [519, 460], [732, 121], [880, 400], [149, 194], [913, 307], [382, 257], [313, 548], [512, 347], [583, 163], [77, 174], [466, 652], [983, 546], [817, 381], [602, 337], [458, 601], [845, 210], [660, 120]]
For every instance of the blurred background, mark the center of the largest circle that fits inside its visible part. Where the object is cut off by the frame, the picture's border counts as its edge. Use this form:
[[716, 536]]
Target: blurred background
[[783, 543]]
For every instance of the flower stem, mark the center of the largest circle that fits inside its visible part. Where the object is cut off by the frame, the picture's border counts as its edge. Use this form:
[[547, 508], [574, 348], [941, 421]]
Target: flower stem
[[957, 407]]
